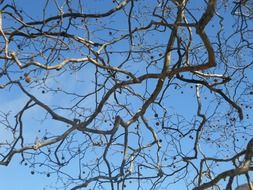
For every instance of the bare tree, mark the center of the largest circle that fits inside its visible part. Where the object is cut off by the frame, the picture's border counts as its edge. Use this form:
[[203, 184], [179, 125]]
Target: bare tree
[[137, 94], [244, 187]]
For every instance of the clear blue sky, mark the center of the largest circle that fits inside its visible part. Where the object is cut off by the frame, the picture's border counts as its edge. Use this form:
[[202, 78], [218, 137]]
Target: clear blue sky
[[181, 100]]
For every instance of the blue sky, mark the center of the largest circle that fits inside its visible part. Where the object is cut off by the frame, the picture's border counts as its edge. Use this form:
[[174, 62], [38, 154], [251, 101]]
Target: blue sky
[[179, 98]]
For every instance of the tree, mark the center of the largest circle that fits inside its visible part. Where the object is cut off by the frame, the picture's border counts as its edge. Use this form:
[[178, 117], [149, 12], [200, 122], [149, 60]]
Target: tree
[[128, 93]]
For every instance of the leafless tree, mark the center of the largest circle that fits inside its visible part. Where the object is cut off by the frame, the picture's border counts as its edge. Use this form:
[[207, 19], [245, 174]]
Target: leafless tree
[[128, 94]]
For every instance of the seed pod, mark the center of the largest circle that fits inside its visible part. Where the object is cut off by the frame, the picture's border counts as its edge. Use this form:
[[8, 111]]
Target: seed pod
[[27, 78]]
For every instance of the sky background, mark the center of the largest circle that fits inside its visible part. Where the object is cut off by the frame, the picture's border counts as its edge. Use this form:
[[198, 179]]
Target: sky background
[[18, 176]]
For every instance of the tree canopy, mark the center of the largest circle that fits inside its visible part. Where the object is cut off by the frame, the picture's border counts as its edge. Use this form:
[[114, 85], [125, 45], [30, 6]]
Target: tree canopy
[[128, 94]]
